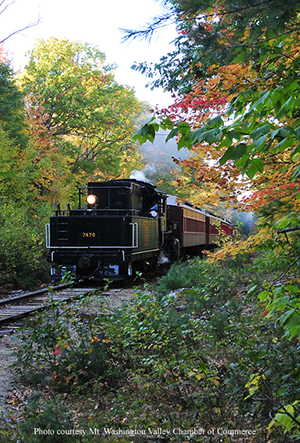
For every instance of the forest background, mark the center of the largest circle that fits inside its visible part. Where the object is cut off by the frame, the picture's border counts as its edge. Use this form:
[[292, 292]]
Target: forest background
[[235, 79]]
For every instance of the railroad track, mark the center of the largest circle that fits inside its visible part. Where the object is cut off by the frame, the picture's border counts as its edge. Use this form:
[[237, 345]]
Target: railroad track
[[15, 308]]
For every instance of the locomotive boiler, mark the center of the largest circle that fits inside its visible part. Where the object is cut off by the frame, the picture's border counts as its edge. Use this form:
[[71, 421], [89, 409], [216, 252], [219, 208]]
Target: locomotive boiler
[[124, 226]]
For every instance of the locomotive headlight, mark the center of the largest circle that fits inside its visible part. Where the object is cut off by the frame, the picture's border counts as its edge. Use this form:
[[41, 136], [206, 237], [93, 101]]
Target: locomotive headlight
[[91, 199]]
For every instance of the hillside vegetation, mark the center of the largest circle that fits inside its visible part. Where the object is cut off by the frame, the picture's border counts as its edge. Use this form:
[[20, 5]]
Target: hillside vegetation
[[209, 354]]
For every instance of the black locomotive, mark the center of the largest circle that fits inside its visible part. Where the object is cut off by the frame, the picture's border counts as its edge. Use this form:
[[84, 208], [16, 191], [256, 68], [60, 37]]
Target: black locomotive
[[124, 226]]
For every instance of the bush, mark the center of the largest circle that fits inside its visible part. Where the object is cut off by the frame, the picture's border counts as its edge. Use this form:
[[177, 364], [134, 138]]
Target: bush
[[67, 347], [47, 422]]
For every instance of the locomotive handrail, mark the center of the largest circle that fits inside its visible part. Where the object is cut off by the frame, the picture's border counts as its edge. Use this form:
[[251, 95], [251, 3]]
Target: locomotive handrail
[[47, 229], [97, 211], [135, 235]]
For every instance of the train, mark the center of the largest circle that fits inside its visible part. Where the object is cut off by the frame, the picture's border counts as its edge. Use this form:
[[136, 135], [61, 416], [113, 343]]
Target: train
[[126, 226]]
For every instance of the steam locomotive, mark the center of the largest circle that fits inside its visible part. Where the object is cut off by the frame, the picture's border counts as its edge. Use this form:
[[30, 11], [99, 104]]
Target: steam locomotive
[[124, 226]]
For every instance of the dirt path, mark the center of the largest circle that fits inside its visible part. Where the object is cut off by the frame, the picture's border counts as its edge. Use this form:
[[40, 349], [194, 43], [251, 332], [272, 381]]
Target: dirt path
[[8, 346]]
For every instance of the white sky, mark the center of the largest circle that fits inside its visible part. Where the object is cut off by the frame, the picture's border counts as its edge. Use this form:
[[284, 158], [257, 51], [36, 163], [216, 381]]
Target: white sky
[[91, 21]]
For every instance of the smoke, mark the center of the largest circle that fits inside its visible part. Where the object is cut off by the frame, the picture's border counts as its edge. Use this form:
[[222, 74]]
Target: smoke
[[245, 220], [139, 175], [162, 259]]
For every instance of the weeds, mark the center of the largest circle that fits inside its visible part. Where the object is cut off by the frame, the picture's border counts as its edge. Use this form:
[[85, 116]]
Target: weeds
[[201, 357]]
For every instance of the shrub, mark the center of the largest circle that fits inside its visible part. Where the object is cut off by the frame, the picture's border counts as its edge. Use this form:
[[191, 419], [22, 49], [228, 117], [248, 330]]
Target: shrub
[[46, 422], [67, 347]]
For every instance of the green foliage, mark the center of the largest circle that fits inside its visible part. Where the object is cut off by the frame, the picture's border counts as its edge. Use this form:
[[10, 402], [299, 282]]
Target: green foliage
[[192, 272], [218, 34], [12, 117], [13, 180], [45, 422], [247, 124], [288, 419], [284, 299], [22, 251]]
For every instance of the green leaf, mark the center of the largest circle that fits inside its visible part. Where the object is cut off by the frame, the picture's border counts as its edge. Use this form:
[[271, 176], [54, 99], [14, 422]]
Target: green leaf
[[256, 165], [284, 420], [196, 136], [239, 151], [172, 134], [264, 295], [296, 174], [260, 142], [259, 104], [262, 130], [285, 143], [279, 304], [284, 317], [226, 156], [167, 124], [292, 288], [288, 106], [184, 141], [243, 162], [146, 132], [211, 136], [252, 290], [216, 122]]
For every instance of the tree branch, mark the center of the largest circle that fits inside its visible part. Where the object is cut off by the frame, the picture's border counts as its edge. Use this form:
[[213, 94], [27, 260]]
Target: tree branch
[[147, 33], [31, 25], [283, 230]]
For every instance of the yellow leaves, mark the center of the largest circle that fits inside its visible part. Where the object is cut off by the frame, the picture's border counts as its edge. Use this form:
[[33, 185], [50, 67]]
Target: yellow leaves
[[233, 78], [253, 384], [199, 376], [234, 248]]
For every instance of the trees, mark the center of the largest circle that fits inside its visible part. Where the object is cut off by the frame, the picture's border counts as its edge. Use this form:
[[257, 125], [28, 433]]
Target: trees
[[215, 34], [237, 91], [21, 248], [11, 106], [72, 98], [262, 113]]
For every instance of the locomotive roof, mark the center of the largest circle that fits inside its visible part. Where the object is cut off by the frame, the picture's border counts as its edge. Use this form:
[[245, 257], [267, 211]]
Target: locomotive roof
[[121, 181], [126, 182]]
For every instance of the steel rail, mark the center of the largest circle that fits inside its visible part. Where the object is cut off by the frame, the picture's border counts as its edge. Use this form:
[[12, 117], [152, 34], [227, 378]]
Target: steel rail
[[20, 311]]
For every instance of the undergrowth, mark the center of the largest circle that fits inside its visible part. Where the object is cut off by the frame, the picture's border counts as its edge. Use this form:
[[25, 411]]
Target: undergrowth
[[195, 359]]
